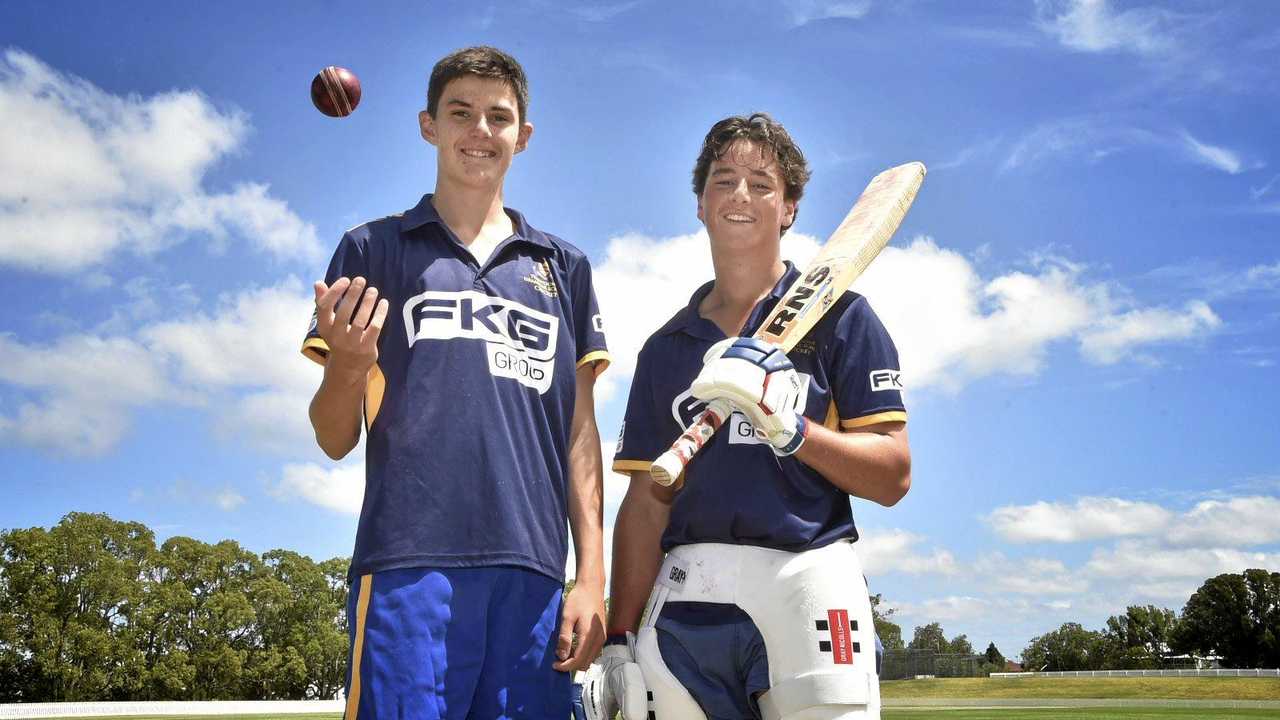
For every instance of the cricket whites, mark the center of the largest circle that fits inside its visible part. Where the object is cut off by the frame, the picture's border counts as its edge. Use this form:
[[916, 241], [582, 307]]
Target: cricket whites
[[847, 253]]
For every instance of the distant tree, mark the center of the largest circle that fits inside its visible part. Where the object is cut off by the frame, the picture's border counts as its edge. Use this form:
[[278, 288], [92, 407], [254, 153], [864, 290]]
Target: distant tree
[[67, 598], [1070, 647], [1236, 617], [992, 661], [91, 609], [929, 637], [960, 645], [993, 656], [210, 620], [1138, 639], [889, 632]]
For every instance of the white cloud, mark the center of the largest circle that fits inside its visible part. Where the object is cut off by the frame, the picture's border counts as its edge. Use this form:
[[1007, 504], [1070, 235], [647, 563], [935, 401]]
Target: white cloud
[[643, 281], [804, 12], [339, 488], [1137, 560], [85, 174], [87, 386], [598, 13], [951, 325], [1091, 518], [242, 362], [1257, 192], [1215, 157], [1031, 576], [1114, 337], [1235, 522], [228, 499], [1092, 139], [953, 608], [248, 349], [1093, 26], [889, 551]]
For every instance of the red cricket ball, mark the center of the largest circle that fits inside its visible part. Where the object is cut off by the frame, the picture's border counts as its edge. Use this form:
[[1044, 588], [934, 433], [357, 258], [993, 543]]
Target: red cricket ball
[[335, 91]]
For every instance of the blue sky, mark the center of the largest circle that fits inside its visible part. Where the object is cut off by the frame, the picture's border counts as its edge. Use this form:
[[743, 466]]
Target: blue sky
[[1085, 293]]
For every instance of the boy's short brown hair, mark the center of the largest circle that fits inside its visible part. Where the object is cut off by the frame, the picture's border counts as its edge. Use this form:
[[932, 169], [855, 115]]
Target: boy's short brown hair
[[765, 132], [482, 61]]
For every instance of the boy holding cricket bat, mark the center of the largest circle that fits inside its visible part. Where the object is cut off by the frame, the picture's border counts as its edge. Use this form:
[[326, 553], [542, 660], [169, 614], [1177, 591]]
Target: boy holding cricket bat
[[757, 607]]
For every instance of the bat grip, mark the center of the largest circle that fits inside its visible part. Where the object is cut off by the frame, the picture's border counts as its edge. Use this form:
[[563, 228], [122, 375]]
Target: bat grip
[[668, 468]]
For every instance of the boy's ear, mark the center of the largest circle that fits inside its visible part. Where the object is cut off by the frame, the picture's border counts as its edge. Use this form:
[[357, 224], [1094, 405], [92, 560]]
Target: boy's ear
[[522, 140], [789, 213], [701, 219], [427, 126]]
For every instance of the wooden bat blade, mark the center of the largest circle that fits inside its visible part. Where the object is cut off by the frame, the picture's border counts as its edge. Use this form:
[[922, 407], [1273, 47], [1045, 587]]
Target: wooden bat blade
[[847, 253], [866, 230]]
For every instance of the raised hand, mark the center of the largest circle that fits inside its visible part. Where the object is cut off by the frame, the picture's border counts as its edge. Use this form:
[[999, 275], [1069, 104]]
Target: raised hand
[[349, 316]]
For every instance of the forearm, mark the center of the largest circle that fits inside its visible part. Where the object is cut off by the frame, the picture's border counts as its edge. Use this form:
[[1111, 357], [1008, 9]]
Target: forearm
[[586, 486], [637, 551], [337, 410], [873, 464]]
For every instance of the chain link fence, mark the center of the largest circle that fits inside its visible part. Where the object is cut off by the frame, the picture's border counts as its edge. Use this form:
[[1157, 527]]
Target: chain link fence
[[906, 664]]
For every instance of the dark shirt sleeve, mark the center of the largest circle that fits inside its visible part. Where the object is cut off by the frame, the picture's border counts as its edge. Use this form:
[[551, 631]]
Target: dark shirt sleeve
[[867, 377], [588, 326], [647, 430]]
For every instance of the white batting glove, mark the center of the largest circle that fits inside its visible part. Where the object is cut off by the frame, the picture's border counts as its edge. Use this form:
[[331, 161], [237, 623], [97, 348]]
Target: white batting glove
[[614, 683], [758, 380]]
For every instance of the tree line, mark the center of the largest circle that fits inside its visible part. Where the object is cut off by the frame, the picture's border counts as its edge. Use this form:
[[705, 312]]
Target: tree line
[[1233, 616], [93, 609]]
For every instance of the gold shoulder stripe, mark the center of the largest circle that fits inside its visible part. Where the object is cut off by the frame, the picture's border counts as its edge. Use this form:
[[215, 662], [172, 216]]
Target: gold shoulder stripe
[[627, 466], [316, 349], [832, 420], [601, 358], [865, 420], [373, 393]]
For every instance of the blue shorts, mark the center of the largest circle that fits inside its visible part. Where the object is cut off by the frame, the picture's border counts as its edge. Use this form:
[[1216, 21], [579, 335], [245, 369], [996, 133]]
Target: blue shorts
[[717, 653], [455, 643]]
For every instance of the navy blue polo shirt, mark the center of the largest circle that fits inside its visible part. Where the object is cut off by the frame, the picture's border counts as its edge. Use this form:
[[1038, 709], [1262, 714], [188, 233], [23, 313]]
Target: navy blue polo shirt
[[469, 406], [736, 490]]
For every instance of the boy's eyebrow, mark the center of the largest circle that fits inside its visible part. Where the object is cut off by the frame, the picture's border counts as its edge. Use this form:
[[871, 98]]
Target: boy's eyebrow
[[458, 102], [724, 170]]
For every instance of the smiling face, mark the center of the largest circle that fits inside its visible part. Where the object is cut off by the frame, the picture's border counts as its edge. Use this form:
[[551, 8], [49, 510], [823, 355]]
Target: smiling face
[[743, 202], [476, 131]]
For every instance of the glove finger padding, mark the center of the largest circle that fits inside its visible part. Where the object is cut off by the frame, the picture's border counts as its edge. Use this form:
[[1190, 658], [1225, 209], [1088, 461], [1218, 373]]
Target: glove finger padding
[[760, 382], [634, 700]]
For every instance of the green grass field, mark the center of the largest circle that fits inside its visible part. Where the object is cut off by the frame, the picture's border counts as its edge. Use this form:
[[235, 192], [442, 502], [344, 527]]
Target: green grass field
[[1027, 689], [1164, 688]]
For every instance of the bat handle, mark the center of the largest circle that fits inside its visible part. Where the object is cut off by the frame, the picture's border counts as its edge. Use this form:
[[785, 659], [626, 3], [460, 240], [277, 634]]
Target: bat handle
[[668, 468]]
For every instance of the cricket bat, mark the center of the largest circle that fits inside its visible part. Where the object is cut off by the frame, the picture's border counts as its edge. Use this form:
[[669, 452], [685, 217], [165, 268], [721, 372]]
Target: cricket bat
[[850, 249]]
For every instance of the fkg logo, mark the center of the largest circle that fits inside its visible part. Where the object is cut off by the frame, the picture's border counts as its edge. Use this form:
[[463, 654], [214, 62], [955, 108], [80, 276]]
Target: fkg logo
[[886, 380], [520, 342]]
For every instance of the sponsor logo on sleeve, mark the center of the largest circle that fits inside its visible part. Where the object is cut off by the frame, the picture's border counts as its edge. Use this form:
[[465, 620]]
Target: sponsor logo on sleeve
[[886, 380], [622, 433], [520, 342], [597, 322]]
